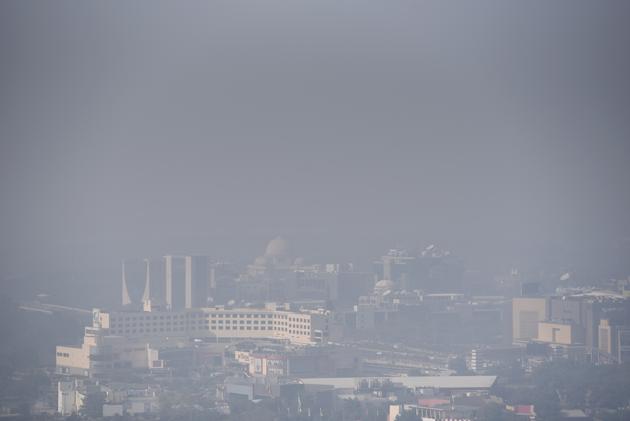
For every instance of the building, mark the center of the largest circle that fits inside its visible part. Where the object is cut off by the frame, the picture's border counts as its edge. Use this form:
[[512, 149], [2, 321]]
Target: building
[[443, 383], [70, 396], [302, 362], [135, 282], [586, 310], [564, 340], [222, 283], [131, 339], [200, 278], [431, 270], [178, 278], [526, 313], [101, 352], [560, 333], [614, 342], [271, 322], [187, 281], [421, 413], [481, 359], [351, 285]]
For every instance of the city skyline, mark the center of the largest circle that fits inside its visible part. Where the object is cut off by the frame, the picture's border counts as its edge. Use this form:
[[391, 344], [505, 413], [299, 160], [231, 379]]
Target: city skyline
[[315, 210]]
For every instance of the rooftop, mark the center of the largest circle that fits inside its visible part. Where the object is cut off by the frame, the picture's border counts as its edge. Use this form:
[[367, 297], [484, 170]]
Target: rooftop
[[421, 382]]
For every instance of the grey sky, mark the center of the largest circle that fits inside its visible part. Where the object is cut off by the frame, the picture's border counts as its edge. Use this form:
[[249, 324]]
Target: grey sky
[[498, 129]]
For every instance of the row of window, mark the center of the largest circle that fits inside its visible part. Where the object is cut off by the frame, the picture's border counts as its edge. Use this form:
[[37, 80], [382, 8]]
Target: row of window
[[220, 327], [214, 322], [121, 318]]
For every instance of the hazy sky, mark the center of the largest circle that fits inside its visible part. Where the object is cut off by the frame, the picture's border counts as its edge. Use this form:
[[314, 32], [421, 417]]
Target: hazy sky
[[500, 130]]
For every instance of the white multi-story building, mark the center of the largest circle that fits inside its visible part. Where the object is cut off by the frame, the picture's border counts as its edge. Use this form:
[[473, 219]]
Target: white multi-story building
[[130, 339], [101, 352], [271, 322], [187, 281], [69, 397]]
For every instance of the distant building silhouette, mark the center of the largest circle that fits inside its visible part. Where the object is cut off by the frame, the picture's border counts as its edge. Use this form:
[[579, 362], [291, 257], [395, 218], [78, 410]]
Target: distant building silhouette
[[187, 281]]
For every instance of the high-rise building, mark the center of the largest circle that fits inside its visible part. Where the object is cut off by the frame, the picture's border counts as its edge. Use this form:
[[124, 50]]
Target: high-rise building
[[223, 282], [200, 280], [187, 281], [157, 293], [177, 272], [586, 310]]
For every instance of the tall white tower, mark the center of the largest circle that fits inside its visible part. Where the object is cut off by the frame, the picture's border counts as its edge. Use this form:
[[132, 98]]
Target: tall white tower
[[135, 281]]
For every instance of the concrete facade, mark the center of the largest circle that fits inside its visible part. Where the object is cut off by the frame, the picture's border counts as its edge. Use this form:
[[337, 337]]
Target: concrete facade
[[526, 313]]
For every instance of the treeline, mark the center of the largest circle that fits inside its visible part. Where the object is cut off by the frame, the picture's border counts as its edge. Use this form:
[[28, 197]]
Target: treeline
[[601, 389]]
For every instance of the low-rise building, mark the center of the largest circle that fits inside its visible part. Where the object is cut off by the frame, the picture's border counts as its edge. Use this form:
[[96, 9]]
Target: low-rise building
[[70, 396], [100, 353], [561, 333]]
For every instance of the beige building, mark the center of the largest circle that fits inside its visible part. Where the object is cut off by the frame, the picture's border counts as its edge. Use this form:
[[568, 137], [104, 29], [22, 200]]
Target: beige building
[[606, 342], [130, 339], [560, 333], [526, 314], [100, 352]]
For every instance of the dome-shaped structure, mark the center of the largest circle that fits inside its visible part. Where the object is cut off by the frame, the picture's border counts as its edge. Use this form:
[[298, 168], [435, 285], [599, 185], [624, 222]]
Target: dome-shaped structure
[[383, 285], [276, 247]]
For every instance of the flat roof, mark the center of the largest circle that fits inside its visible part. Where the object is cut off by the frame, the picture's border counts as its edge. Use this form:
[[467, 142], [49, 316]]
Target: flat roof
[[423, 382]]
